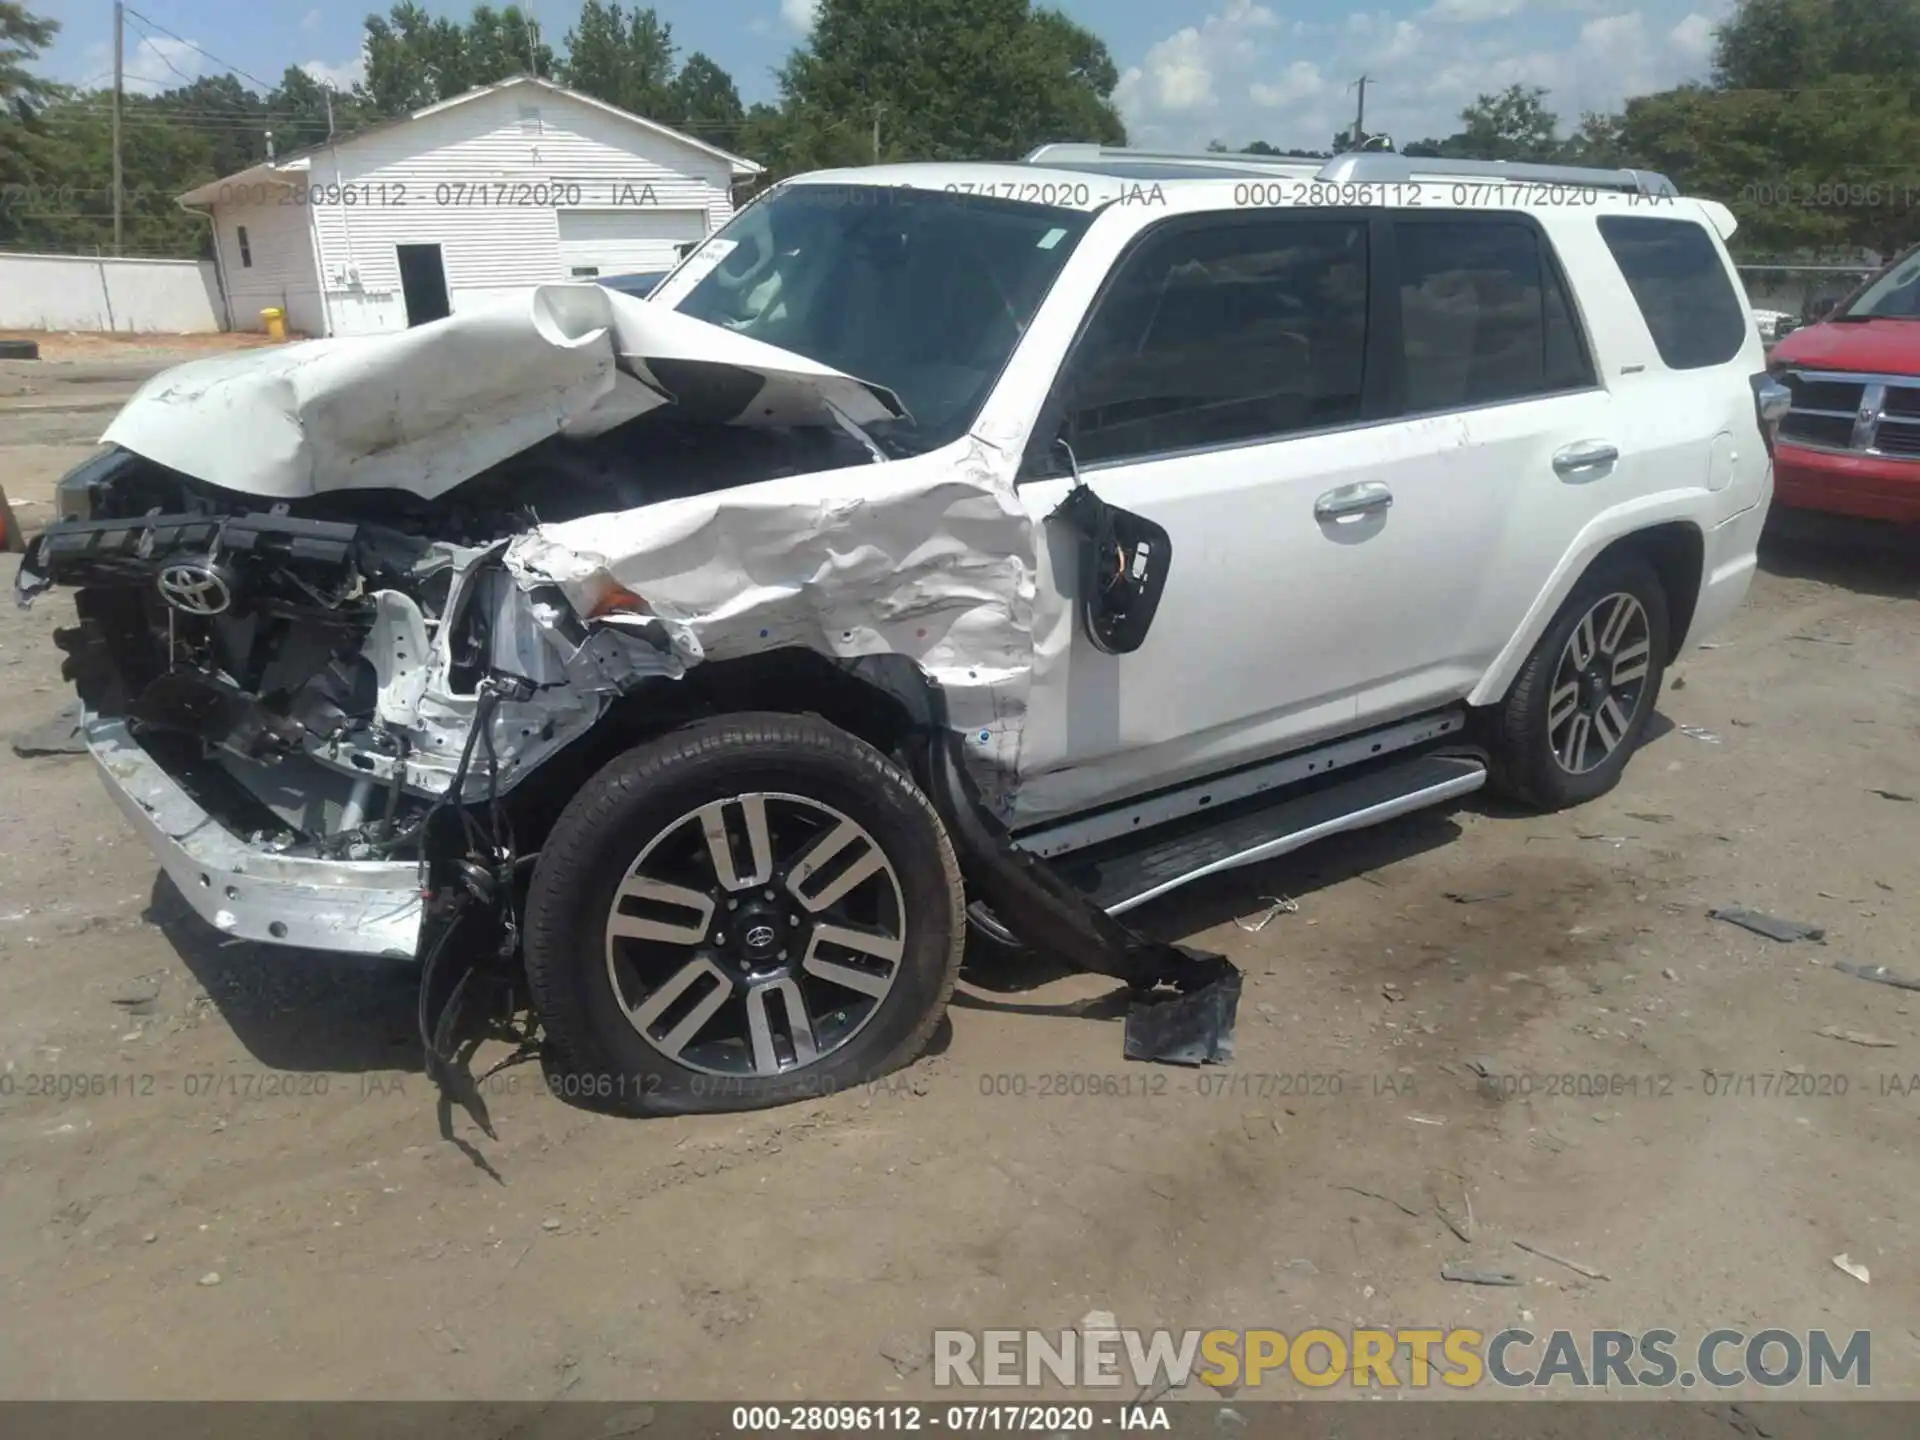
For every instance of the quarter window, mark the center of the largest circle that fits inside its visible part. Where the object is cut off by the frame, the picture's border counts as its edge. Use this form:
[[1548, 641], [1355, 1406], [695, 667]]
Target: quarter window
[[1230, 333], [1483, 316], [1681, 288]]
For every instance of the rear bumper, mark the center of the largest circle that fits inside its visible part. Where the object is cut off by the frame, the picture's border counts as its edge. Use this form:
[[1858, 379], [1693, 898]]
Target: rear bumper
[[1873, 487], [368, 907], [1731, 557]]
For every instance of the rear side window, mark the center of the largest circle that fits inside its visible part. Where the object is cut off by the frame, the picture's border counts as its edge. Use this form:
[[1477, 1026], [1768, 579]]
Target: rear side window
[[1681, 287], [1483, 316], [1222, 334]]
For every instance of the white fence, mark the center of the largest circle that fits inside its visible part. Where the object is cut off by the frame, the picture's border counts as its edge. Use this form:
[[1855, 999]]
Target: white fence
[[84, 292]]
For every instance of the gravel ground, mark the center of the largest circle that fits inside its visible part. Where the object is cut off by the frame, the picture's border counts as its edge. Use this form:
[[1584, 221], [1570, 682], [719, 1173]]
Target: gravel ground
[[252, 1196]]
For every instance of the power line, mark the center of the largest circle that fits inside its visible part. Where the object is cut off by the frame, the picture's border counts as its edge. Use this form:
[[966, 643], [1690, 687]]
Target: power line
[[223, 64], [144, 35]]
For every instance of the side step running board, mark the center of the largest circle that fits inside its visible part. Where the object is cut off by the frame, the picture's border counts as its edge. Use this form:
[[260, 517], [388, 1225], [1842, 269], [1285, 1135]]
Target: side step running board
[[1119, 880]]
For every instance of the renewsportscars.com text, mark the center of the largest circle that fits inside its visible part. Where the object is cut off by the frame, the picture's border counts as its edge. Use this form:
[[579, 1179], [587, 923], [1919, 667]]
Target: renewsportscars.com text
[[1405, 1358]]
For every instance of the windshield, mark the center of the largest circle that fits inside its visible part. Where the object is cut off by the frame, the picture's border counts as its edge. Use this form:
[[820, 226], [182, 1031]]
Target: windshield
[[1894, 296], [924, 292]]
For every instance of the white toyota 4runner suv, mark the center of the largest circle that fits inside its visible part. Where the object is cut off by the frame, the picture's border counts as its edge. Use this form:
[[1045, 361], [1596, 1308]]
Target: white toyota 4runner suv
[[1004, 543]]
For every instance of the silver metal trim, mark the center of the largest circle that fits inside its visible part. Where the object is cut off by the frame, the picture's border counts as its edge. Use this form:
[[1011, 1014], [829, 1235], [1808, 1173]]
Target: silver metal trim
[[1067, 155], [1868, 417], [1365, 498], [1375, 167], [1143, 815], [1852, 377], [358, 907], [1585, 455], [1381, 169], [1463, 784]]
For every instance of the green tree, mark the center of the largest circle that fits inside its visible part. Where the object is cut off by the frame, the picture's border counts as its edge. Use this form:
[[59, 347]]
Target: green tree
[[23, 35], [412, 60], [299, 105], [1809, 129], [943, 80], [500, 43], [624, 58], [1514, 125], [1789, 44], [706, 101]]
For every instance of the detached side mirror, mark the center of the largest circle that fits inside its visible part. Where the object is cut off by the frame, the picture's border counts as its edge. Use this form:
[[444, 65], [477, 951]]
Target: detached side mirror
[[1124, 560]]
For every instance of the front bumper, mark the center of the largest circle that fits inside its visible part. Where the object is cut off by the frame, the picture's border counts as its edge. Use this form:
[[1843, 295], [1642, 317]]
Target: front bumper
[[361, 907], [1872, 487]]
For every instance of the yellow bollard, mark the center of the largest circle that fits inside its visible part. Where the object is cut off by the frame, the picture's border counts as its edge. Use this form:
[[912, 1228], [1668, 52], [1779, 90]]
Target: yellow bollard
[[276, 322]]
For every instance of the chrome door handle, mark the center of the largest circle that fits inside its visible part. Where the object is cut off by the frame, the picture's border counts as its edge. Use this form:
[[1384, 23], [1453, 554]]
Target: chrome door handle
[[1585, 455], [1351, 500]]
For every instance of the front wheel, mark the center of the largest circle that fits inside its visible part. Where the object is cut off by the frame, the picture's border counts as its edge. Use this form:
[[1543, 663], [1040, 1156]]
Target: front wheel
[[746, 912], [1583, 700]]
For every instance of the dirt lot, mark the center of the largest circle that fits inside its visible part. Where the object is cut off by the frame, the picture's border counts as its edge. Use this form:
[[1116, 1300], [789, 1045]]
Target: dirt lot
[[262, 1205]]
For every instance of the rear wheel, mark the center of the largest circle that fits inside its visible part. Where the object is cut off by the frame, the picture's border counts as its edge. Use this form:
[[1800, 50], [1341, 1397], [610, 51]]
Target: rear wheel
[[1582, 702], [744, 913]]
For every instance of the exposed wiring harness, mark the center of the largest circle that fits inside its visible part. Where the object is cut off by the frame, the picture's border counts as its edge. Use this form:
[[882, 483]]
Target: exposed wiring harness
[[485, 877]]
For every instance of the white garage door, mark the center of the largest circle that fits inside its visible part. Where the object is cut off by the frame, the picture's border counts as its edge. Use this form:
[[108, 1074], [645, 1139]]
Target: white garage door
[[595, 243]]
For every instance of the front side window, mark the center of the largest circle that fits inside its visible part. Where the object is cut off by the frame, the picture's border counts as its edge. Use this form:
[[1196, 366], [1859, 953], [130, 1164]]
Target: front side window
[[1483, 316], [1223, 333], [1681, 287], [925, 292]]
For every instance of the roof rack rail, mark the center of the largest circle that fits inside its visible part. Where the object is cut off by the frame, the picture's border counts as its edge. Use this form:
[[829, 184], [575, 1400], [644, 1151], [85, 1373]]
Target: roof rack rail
[[1078, 155], [1383, 169]]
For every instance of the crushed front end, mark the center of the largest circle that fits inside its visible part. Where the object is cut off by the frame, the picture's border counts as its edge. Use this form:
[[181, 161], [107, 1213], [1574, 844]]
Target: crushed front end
[[300, 712]]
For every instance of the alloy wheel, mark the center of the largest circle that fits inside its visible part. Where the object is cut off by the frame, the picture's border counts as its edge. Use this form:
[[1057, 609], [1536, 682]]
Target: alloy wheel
[[1600, 683], [756, 935]]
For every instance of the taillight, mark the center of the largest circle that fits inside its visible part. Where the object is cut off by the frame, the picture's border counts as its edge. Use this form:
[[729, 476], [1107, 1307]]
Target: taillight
[[1771, 401]]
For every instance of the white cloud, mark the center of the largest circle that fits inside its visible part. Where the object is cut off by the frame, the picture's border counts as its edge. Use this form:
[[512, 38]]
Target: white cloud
[[1474, 12], [1181, 75], [343, 76], [800, 14], [1239, 75], [310, 21], [158, 62], [1693, 36], [1299, 81]]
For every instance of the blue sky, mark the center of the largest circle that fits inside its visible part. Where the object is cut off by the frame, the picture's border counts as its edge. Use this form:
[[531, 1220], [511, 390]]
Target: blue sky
[[1193, 70]]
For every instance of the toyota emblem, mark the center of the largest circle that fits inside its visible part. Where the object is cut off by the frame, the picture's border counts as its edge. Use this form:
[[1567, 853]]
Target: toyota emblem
[[195, 589], [761, 937]]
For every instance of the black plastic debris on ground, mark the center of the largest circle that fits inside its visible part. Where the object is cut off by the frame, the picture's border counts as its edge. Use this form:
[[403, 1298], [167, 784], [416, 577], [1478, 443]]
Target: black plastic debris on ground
[[1878, 974], [1191, 1024], [1771, 926], [57, 736]]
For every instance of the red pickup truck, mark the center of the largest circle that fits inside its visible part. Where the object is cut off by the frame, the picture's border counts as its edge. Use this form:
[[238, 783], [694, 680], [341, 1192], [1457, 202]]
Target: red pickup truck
[[1850, 445]]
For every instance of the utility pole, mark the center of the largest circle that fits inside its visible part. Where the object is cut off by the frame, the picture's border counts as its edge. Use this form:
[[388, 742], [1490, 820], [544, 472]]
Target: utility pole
[[533, 46], [876, 132], [119, 83], [327, 90], [1360, 116]]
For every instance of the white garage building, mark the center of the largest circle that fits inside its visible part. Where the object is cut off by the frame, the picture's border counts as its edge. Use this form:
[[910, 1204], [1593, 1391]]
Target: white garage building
[[510, 185]]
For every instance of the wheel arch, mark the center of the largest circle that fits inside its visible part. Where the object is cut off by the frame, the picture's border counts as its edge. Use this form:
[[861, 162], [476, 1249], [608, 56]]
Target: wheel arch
[[885, 700], [1663, 530]]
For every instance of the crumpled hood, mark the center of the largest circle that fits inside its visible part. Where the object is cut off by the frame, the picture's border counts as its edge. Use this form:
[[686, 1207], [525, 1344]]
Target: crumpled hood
[[429, 407]]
